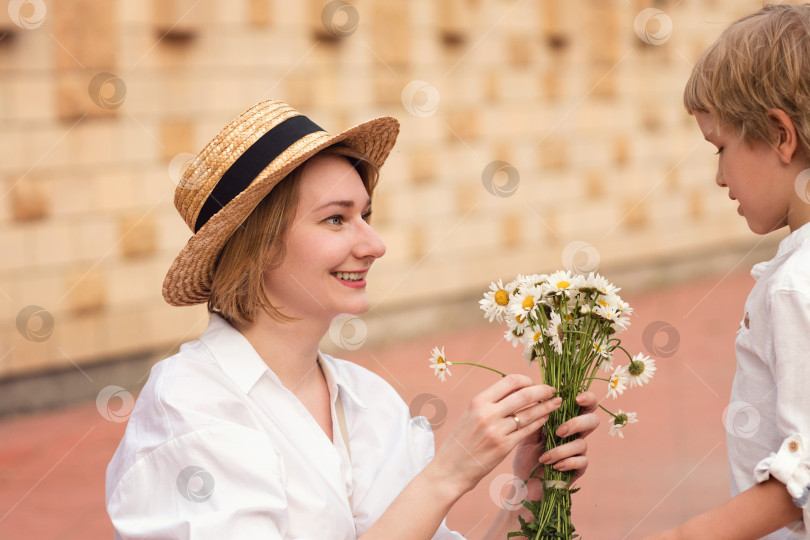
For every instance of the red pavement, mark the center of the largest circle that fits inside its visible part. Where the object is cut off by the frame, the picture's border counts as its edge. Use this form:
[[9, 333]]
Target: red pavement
[[668, 467]]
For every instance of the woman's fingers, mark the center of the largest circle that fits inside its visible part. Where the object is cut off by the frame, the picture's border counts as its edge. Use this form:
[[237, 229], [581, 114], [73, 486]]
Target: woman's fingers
[[534, 414], [504, 387], [587, 401], [525, 397], [577, 447], [586, 422], [582, 425]]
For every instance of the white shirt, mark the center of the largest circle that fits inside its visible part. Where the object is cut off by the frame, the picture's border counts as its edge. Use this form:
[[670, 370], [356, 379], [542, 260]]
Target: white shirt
[[768, 420], [217, 447]]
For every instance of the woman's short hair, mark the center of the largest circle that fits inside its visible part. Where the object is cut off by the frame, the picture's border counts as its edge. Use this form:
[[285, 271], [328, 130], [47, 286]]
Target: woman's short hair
[[760, 62], [237, 288]]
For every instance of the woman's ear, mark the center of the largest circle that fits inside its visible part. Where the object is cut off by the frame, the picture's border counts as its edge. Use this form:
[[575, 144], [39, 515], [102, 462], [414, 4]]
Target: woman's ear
[[786, 142]]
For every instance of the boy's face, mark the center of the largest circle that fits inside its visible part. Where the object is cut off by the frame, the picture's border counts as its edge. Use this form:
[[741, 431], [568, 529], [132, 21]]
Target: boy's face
[[753, 174]]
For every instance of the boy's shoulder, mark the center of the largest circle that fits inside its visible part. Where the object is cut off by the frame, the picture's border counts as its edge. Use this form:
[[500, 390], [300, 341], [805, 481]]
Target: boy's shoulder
[[792, 274]]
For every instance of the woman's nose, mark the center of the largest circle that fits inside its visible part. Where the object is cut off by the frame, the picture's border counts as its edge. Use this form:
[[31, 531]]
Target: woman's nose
[[370, 244]]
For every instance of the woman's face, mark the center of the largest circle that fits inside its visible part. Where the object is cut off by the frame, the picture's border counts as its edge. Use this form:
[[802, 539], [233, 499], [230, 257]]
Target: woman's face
[[330, 245]]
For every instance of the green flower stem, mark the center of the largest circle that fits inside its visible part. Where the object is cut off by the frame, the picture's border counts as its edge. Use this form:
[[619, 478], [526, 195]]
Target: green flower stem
[[629, 356], [607, 411], [501, 373]]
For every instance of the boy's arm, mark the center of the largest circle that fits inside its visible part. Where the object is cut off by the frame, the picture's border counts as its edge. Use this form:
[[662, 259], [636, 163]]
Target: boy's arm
[[755, 512]]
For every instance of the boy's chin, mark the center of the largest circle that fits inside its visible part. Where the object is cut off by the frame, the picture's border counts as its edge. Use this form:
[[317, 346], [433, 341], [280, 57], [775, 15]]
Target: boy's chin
[[763, 229]]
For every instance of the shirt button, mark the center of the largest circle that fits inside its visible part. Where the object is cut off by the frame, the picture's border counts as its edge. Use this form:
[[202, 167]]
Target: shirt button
[[793, 446]]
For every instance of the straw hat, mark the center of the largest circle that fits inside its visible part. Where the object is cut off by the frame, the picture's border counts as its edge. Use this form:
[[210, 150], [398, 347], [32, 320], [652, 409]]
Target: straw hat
[[237, 169]]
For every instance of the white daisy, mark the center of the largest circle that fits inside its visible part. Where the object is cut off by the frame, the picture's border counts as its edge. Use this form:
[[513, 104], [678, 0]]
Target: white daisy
[[522, 304], [514, 336], [604, 354], [618, 382], [561, 281], [495, 301], [439, 363], [640, 370], [601, 284], [555, 331], [529, 353], [532, 337], [620, 420]]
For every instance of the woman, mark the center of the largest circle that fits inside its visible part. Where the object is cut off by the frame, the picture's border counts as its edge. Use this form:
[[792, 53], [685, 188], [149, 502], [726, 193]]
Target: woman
[[250, 431]]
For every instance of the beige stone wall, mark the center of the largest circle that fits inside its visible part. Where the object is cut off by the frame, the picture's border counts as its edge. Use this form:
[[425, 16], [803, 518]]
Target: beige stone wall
[[102, 101]]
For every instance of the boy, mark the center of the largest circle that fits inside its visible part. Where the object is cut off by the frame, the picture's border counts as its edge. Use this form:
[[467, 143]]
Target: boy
[[750, 95]]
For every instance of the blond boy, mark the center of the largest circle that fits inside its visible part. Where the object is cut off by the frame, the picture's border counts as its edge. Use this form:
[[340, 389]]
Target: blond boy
[[750, 95]]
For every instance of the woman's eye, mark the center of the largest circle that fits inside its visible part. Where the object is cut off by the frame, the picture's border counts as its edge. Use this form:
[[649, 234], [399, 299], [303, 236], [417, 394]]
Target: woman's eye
[[366, 216], [334, 220]]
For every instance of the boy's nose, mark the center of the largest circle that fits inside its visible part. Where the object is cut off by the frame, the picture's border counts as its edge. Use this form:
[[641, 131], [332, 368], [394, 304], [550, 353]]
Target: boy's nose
[[719, 178]]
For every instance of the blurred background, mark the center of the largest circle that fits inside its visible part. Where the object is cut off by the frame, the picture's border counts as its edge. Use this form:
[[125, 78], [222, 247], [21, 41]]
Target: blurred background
[[536, 135]]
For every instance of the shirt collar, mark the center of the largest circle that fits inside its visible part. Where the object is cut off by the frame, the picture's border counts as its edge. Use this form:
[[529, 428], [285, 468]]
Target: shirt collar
[[335, 379], [794, 240], [240, 361], [786, 246], [233, 352]]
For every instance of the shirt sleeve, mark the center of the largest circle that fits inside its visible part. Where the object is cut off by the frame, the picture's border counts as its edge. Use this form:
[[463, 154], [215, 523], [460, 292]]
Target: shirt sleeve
[[218, 482], [790, 320]]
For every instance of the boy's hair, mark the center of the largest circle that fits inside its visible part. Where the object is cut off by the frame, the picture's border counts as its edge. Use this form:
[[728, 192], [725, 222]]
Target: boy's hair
[[237, 288], [760, 62]]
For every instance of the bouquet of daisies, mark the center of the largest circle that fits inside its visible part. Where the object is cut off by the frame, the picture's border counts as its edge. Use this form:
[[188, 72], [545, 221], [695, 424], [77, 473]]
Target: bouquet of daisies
[[567, 324]]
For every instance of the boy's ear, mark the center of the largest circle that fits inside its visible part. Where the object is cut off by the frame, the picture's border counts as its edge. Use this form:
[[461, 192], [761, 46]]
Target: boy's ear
[[786, 142]]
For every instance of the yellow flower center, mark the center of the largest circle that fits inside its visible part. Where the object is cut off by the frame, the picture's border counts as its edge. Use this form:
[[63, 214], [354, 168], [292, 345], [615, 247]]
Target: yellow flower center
[[520, 319], [528, 303], [501, 297], [538, 336], [440, 360], [602, 303], [563, 285], [614, 381]]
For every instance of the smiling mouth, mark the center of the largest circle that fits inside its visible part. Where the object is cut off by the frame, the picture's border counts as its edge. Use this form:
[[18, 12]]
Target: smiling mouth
[[349, 276]]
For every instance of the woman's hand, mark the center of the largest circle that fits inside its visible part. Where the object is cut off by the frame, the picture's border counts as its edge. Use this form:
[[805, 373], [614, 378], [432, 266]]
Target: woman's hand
[[487, 430], [566, 457]]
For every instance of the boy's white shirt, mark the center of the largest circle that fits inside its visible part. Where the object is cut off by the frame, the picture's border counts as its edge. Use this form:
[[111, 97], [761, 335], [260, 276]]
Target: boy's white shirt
[[768, 420]]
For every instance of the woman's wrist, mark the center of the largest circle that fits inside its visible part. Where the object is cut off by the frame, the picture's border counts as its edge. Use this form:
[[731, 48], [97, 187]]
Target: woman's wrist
[[446, 488]]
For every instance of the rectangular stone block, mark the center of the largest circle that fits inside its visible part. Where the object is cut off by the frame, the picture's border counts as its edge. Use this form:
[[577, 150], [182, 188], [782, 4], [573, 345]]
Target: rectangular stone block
[[85, 290]]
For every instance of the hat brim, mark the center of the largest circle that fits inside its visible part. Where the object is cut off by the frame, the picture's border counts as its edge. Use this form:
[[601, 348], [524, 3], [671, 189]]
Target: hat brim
[[189, 278]]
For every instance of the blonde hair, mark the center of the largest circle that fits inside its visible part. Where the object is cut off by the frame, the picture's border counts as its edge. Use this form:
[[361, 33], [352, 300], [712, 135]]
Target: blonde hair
[[760, 62], [237, 288]]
